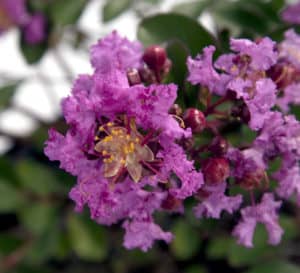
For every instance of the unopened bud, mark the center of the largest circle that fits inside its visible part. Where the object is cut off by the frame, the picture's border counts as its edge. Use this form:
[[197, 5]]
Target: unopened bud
[[216, 170], [194, 119], [251, 180], [155, 57]]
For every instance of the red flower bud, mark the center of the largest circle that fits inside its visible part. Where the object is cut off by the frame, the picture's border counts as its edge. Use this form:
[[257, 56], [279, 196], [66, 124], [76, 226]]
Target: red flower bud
[[194, 119], [155, 57], [216, 170]]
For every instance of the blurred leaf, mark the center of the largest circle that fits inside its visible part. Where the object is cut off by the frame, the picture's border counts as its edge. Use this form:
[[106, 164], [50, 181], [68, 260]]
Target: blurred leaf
[[186, 241], [169, 27], [195, 269], [218, 248], [66, 12], [242, 16], [289, 225], [32, 53], [8, 243], [275, 267], [8, 174], [37, 217], [87, 238], [114, 8], [192, 9], [240, 256], [10, 199], [37, 177], [6, 93]]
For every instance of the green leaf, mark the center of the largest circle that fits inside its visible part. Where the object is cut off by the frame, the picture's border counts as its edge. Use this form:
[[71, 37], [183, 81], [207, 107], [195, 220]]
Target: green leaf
[[11, 198], [192, 9], [8, 243], [169, 27], [32, 53], [37, 178], [37, 217], [87, 238], [8, 174], [6, 93], [186, 241], [66, 12], [275, 267], [114, 8]]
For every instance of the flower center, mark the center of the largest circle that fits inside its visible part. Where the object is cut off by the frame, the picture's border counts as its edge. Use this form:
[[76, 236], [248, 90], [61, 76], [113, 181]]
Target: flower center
[[122, 150]]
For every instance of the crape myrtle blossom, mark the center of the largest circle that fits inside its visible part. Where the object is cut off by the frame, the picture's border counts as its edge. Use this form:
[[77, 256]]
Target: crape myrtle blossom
[[286, 72], [122, 145], [135, 151], [242, 72], [15, 13], [291, 14], [254, 79]]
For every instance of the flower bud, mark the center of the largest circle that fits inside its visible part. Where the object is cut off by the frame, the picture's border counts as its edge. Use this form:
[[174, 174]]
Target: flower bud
[[194, 119], [155, 57], [171, 203], [251, 180], [283, 74], [133, 76], [216, 170], [219, 146]]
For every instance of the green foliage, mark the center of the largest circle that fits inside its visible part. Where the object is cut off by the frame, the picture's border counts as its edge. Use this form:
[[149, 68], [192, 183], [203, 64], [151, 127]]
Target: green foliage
[[66, 12], [165, 28], [114, 8], [88, 239], [186, 241], [6, 93]]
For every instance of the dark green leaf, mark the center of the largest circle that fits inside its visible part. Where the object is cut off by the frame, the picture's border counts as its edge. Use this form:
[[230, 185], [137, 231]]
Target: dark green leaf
[[37, 178], [6, 93], [275, 267], [169, 27], [37, 217], [186, 241], [11, 198], [114, 8], [66, 12], [87, 238], [32, 53]]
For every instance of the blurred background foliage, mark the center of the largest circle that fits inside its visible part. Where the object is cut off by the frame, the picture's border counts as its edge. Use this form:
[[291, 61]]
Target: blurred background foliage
[[40, 232]]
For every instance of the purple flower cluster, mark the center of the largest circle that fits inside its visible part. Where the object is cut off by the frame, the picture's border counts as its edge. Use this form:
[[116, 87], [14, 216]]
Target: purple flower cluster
[[14, 12], [134, 152], [122, 145], [254, 79]]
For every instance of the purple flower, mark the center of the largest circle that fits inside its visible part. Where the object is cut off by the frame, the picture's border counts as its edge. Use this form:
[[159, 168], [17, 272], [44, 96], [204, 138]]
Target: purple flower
[[216, 202], [201, 70], [292, 14], [291, 95], [122, 145], [114, 52], [141, 234], [265, 213], [16, 10], [288, 177], [289, 48], [35, 29], [262, 53]]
